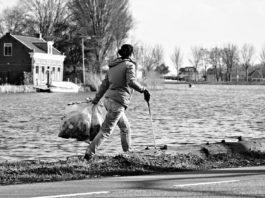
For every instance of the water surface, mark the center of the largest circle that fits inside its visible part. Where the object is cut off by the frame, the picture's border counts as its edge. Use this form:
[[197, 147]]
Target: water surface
[[29, 123]]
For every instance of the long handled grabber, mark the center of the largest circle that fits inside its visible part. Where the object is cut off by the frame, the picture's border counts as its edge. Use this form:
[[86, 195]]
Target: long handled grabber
[[147, 99], [151, 120]]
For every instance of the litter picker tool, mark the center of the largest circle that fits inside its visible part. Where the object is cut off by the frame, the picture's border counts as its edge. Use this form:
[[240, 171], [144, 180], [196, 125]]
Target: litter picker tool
[[147, 99], [151, 120]]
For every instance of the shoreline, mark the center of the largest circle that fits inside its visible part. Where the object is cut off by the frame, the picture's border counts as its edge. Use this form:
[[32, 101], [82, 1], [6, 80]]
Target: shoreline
[[168, 81], [13, 89], [167, 158]]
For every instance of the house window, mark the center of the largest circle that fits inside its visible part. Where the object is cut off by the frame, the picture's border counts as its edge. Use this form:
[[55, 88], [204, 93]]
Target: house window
[[59, 74], [42, 72], [53, 73], [37, 69], [7, 49], [37, 75]]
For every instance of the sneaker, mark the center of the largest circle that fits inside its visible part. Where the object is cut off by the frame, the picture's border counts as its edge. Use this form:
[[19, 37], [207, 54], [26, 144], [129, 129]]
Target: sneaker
[[88, 157]]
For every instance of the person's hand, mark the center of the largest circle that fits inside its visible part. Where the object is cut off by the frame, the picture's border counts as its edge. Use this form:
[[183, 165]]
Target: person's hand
[[94, 101], [88, 100], [146, 95]]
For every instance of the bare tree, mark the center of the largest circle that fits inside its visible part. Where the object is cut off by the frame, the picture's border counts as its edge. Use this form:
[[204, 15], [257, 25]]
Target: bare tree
[[122, 23], [44, 16], [158, 55], [247, 53], [177, 58], [2, 28], [262, 56], [196, 58], [230, 58], [105, 21], [139, 54], [13, 20], [205, 61], [262, 59], [215, 61], [149, 57], [36, 16]]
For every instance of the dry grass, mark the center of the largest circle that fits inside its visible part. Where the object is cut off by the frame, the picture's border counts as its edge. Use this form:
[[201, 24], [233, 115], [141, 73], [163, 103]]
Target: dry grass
[[154, 81], [93, 79], [16, 88], [92, 82], [75, 167]]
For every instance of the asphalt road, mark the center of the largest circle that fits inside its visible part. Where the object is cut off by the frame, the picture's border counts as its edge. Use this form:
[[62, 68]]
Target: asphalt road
[[239, 182]]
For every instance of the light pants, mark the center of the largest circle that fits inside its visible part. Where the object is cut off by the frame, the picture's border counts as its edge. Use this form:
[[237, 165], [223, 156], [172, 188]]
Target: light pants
[[115, 115]]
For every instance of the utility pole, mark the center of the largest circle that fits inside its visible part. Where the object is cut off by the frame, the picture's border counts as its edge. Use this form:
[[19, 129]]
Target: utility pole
[[83, 57], [83, 60]]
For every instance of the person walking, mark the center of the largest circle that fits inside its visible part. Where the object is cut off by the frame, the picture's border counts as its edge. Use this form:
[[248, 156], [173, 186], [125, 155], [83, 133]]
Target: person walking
[[117, 87]]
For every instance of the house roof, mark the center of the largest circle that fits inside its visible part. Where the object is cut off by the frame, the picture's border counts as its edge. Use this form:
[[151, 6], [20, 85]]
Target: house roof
[[38, 45], [256, 74]]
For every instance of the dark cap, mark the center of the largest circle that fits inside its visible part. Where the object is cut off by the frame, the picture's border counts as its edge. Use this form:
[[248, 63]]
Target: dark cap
[[125, 51]]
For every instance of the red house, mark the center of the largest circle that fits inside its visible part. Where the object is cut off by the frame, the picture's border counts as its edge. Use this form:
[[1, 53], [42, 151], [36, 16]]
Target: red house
[[32, 56]]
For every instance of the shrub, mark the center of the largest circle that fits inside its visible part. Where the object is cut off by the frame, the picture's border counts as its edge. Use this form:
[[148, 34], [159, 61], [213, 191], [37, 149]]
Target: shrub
[[16, 88], [27, 78], [153, 80]]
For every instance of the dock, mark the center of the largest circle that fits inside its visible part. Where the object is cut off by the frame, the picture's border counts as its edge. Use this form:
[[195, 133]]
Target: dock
[[42, 88]]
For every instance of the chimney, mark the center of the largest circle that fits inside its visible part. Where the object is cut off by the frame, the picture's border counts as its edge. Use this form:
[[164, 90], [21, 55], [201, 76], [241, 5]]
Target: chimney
[[49, 47]]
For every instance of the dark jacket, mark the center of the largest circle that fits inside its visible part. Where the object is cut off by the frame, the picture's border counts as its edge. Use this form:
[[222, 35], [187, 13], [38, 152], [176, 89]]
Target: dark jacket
[[119, 82]]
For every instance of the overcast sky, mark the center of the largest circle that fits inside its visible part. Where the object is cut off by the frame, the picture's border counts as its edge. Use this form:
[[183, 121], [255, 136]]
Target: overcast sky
[[187, 23], [206, 23]]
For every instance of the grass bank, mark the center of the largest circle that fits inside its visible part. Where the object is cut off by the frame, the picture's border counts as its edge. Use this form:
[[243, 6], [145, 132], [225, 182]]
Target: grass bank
[[233, 83], [16, 88], [74, 168], [214, 83]]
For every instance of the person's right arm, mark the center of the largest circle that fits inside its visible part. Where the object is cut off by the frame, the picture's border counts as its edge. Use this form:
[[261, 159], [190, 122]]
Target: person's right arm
[[102, 90]]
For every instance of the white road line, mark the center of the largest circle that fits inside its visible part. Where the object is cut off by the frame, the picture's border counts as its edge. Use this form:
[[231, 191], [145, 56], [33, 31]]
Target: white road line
[[206, 183], [74, 195]]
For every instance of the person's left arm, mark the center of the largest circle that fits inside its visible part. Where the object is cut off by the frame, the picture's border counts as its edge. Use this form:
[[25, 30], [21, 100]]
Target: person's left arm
[[131, 79]]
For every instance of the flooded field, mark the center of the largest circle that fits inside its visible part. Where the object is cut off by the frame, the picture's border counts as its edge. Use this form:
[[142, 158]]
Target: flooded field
[[29, 123]]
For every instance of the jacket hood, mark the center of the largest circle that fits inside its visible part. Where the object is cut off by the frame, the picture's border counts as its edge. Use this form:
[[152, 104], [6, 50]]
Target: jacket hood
[[116, 62], [119, 60]]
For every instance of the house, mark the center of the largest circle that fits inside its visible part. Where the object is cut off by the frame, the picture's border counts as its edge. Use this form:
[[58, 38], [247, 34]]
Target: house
[[211, 75], [256, 75], [22, 56], [188, 74]]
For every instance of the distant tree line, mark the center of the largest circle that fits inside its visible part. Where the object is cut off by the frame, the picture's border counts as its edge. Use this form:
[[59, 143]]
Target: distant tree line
[[225, 62], [104, 26]]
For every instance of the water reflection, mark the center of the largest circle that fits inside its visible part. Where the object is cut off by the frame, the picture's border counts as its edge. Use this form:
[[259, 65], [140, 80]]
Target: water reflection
[[29, 123]]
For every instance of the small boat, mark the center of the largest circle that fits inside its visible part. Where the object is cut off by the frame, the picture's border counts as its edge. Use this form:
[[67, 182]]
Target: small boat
[[64, 86]]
